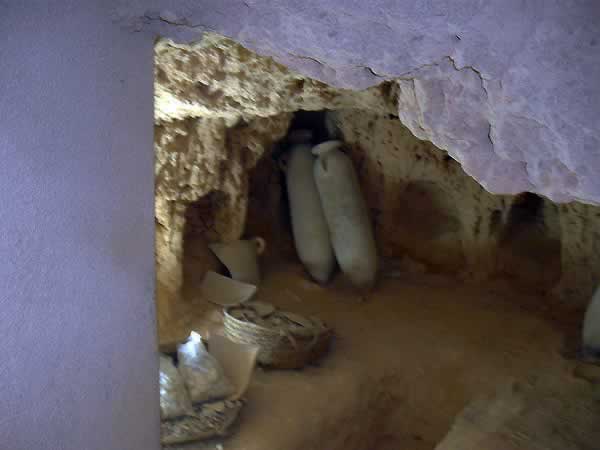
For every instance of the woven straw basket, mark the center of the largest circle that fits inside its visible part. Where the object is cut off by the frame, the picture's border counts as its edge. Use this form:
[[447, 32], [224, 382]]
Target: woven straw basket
[[278, 349]]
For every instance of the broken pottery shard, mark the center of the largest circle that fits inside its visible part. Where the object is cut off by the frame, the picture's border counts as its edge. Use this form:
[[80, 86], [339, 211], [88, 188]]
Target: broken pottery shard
[[241, 258], [237, 360], [224, 291]]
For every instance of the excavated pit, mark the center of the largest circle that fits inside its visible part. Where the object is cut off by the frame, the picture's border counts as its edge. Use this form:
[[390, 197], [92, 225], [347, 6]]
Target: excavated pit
[[475, 289]]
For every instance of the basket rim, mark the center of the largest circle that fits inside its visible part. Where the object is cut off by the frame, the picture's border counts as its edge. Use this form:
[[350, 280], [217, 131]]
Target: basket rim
[[266, 330], [248, 324]]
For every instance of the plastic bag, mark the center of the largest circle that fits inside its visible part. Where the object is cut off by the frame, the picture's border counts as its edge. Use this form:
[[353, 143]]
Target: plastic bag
[[174, 398], [204, 377]]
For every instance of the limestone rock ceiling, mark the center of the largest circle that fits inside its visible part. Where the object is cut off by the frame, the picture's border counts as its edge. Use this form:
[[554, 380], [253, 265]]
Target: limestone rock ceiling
[[509, 88], [219, 78]]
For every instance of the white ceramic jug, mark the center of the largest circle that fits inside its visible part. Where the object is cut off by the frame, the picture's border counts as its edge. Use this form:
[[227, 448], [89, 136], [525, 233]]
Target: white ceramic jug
[[241, 258], [309, 227], [346, 214]]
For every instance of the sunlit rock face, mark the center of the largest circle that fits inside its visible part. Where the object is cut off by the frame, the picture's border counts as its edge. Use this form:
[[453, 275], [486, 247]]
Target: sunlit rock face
[[508, 88]]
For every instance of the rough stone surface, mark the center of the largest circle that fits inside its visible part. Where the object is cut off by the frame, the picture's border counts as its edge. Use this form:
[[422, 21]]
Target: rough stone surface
[[429, 215], [219, 109], [508, 88], [556, 414], [202, 166], [219, 78]]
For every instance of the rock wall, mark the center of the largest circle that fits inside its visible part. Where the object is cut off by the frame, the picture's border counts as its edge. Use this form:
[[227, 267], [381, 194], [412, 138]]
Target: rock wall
[[427, 209], [508, 88], [202, 165], [219, 78], [79, 363], [220, 109]]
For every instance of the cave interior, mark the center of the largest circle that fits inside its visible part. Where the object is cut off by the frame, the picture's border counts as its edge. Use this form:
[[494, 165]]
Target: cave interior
[[468, 339]]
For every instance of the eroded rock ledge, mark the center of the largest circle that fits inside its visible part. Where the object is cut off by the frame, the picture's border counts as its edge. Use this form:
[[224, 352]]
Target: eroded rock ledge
[[508, 88]]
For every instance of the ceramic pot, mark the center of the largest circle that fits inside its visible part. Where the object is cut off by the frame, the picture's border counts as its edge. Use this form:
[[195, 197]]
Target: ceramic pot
[[241, 258], [346, 214], [309, 227], [224, 291]]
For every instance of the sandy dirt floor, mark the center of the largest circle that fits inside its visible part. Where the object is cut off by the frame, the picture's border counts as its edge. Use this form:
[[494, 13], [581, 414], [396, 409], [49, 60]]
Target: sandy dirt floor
[[404, 362]]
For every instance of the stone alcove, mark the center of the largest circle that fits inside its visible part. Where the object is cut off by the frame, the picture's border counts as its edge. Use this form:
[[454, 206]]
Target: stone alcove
[[428, 226], [529, 243]]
